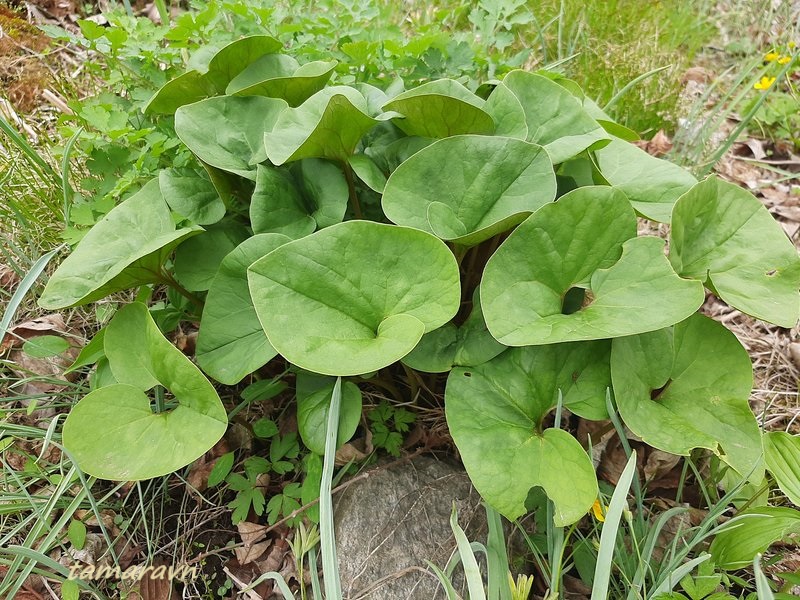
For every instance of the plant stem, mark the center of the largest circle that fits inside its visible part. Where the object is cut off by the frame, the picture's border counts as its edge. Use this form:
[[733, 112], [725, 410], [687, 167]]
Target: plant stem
[[351, 188], [168, 279]]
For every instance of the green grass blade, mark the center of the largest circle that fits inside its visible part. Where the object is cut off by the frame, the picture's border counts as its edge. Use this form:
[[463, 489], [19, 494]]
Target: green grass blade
[[496, 557], [631, 84], [330, 563], [678, 574], [472, 572], [608, 537], [762, 583], [24, 287]]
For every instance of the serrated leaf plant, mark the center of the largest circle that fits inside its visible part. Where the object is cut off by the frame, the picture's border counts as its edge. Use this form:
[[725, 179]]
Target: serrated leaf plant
[[488, 237]]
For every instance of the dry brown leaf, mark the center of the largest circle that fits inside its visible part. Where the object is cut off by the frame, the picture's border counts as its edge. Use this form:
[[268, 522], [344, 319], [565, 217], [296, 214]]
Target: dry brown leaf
[[251, 552], [8, 278], [275, 558], [659, 464], [152, 588], [355, 450], [698, 75], [794, 352], [251, 532], [18, 334], [658, 146]]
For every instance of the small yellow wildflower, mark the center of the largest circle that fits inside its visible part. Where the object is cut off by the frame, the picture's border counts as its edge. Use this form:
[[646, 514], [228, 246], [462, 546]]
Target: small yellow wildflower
[[765, 83], [784, 59], [792, 44], [771, 56], [597, 511], [521, 588]]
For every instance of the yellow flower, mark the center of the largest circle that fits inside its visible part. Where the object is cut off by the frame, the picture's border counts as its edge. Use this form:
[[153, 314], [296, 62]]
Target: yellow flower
[[597, 511], [792, 44], [784, 59], [521, 588], [771, 56], [765, 83]]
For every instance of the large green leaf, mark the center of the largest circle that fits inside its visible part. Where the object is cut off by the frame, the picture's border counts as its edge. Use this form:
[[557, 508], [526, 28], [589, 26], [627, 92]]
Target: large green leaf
[[231, 343], [125, 249], [191, 195], [782, 455], [489, 185], [327, 125], [295, 201], [112, 433], [227, 132], [495, 411], [468, 345], [275, 76], [190, 87], [722, 235], [753, 532], [355, 297], [688, 388], [555, 119], [312, 415], [197, 261], [651, 184], [582, 242], [237, 56], [439, 109]]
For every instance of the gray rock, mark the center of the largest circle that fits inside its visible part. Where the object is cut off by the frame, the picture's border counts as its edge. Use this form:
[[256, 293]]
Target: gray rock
[[389, 524]]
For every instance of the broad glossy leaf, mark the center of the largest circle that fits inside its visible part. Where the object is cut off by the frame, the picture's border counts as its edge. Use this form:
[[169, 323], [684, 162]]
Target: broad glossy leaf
[[125, 249], [112, 432], [688, 388], [468, 345], [441, 109], [651, 184], [355, 297], [197, 261], [490, 184], [238, 55], [191, 196], [368, 172], [295, 201], [722, 235], [190, 87], [782, 455], [753, 532], [507, 112], [495, 411], [312, 416], [582, 241], [227, 132], [295, 86], [327, 125], [555, 118], [231, 343]]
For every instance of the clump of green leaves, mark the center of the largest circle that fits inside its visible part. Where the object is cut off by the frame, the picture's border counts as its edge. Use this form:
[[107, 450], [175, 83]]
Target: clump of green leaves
[[388, 424], [487, 234]]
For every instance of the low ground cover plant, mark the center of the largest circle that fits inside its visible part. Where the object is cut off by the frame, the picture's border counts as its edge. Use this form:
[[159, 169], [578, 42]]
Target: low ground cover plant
[[487, 236]]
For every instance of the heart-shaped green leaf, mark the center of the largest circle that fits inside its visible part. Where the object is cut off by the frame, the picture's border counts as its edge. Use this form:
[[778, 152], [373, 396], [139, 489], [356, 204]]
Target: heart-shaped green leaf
[[295, 201], [491, 184], [651, 184], [237, 56], [722, 235], [312, 415], [507, 112], [449, 346], [581, 244], [355, 297], [495, 411], [190, 87], [439, 109], [327, 125], [227, 132], [231, 343], [191, 196], [125, 249], [555, 119], [112, 433], [782, 455], [688, 388], [279, 79], [197, 261]]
